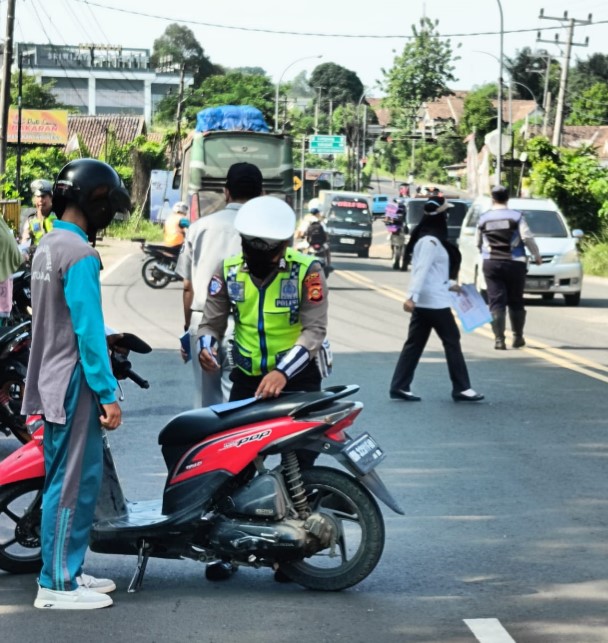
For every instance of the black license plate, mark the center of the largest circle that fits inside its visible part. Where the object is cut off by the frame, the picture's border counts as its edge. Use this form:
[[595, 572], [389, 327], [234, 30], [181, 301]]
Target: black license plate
[[364, 453]]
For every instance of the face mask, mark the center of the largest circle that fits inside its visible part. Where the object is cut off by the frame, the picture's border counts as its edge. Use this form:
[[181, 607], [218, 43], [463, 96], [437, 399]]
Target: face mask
[[260, 262]]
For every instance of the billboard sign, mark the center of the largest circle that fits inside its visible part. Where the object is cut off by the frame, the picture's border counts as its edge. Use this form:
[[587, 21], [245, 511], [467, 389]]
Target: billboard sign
[[38, 126]]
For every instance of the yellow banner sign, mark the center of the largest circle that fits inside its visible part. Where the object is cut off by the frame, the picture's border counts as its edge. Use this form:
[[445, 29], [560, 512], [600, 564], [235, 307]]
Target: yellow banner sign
[[39, 126]]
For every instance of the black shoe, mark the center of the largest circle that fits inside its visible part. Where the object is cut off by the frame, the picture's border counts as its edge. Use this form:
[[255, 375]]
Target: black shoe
[[518, 342], [500, 345], [460, 397], [406, 396], [281, 577], [219, 570]]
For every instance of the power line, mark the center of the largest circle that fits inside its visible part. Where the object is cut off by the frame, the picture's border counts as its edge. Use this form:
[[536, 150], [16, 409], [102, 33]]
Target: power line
[[307, 33]]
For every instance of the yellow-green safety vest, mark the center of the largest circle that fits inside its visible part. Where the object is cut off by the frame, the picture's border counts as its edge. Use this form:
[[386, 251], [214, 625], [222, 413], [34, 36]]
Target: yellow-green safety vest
[[267, 320], [37, 231]]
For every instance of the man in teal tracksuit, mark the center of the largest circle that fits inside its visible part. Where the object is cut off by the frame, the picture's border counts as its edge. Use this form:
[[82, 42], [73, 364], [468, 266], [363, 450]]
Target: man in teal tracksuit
[[70, 381]]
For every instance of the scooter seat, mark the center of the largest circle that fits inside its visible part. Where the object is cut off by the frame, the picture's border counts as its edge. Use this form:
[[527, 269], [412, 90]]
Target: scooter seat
[[191, 427]]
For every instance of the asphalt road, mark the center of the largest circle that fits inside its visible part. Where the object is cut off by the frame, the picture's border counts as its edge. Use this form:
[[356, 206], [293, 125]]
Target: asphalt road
[[504, 537]]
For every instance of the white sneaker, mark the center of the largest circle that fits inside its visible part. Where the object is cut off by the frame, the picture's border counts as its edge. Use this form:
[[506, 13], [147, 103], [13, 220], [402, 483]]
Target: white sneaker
[[77, 599], [99, 585]]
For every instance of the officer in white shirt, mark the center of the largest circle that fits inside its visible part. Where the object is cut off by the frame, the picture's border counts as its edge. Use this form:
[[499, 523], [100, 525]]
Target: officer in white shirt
[[435, 265], [208, 241]]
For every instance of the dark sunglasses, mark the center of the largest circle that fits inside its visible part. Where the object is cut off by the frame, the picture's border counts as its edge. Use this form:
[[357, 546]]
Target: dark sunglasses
[[261, 244]]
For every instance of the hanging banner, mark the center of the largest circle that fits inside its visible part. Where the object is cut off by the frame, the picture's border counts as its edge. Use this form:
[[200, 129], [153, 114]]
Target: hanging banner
[[38, 126]]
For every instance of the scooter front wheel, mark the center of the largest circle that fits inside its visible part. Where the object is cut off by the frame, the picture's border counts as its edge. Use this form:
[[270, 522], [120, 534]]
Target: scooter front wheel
[[152, 275], [358, 531], [20, 515]]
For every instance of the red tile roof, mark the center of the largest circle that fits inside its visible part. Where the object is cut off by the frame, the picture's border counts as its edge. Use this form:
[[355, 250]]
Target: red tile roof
[[93, 130]]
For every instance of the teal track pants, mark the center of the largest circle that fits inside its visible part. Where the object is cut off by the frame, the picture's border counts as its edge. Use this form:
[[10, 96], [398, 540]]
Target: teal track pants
[[73, 457]]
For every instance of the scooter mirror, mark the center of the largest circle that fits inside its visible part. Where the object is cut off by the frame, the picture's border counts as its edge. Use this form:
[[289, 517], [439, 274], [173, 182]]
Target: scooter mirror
[[133, 343]]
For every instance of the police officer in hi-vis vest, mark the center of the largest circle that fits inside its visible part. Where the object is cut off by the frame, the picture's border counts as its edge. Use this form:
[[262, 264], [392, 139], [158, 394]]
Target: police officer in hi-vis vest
[[279, 299], [41, 221]]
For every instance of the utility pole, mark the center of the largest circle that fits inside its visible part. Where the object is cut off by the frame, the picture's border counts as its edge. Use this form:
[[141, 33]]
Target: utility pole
[[5, 90], [178, 113], [19, 113], [563, 81]]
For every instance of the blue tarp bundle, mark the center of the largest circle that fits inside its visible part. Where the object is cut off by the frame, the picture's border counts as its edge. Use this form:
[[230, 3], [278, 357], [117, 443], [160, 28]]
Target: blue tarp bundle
[[231, 117]]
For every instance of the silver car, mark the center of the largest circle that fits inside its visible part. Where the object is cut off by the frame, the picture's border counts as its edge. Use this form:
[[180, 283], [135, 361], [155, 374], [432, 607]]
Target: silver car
[[561, 271]]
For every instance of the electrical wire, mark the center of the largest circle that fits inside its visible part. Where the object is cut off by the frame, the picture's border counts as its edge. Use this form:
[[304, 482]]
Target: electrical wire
[[318, 34]]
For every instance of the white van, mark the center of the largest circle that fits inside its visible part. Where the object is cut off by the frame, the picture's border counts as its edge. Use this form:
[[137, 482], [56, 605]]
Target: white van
[[561, 271]]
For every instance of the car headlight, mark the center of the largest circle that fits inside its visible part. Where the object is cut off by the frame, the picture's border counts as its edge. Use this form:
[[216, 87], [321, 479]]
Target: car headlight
[[568, 257]]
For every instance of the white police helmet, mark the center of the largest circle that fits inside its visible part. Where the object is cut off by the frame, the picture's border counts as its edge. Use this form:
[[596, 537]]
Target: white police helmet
[[267, 218], [181, 207]]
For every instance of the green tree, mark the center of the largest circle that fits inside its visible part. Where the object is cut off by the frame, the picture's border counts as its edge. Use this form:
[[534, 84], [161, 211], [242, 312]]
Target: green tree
[[530, 68], [180, 45], [421, 73], [574, 179], [233, 88], [34, 95], [337, 84], [590, 107], [479, 114], [38, 162]]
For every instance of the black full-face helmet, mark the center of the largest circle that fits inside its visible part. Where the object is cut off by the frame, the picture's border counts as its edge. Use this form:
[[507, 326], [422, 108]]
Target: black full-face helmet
[[95, 188]]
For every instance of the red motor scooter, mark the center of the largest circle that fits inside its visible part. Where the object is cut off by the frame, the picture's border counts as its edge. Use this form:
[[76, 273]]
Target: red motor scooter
[[221, 500]]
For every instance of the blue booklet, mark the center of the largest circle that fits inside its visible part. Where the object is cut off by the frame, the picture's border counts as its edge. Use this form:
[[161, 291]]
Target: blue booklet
[[184, 340]]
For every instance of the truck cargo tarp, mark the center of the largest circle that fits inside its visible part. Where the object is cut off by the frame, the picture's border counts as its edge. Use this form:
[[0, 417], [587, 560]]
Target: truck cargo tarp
[[231, 117]]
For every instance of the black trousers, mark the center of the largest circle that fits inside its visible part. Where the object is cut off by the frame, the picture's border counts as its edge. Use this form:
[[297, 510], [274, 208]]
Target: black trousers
[[244, 386], [423, 321], [505, 282], [308, 380]]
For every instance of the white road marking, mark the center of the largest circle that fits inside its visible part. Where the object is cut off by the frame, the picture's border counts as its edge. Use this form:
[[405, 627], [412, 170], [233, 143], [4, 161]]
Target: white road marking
[[106, 272], [488, 630]]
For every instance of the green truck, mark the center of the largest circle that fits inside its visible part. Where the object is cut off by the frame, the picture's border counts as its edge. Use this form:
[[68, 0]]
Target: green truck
[[208, 154]]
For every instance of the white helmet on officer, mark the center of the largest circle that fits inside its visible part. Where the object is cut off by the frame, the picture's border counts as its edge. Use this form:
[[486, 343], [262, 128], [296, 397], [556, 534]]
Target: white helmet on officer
[[266, 218], [266, 224]]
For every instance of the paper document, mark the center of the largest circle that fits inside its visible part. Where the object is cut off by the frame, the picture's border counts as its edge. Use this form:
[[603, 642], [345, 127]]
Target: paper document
[[470, 307]]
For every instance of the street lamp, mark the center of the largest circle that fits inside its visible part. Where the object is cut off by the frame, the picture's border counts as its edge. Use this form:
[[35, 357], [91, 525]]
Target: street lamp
[[499, 124], [276, 96]]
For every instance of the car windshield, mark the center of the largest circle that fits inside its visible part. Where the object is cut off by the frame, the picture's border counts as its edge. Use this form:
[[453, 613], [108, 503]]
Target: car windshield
[[545, 223], [415, 211], [353, 211]]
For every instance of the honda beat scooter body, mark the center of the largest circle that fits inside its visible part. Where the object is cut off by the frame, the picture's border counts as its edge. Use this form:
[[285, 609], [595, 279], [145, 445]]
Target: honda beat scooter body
[[221, 500]]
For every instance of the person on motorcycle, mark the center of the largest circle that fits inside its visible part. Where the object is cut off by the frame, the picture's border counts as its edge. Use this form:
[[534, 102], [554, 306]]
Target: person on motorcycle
[[275, 343], [314, 234], [70, 381], [176, 225], [40, 222], [394, 220]]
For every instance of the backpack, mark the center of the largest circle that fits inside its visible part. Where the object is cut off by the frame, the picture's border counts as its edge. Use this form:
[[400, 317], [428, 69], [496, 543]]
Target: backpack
[[316, 233]]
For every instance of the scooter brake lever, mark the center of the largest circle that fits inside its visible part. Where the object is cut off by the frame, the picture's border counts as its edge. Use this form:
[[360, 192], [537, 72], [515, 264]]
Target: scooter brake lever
[[121, 397]]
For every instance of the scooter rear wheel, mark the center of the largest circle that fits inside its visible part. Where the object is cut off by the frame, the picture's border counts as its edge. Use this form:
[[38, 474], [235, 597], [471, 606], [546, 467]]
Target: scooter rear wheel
[[152, 276], [359, 531], [20, 514]]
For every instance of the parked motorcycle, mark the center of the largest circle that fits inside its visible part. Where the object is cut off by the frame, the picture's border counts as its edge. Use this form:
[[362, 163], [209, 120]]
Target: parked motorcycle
[[22, 297], [15, 344], [221, 501], [158, 270]]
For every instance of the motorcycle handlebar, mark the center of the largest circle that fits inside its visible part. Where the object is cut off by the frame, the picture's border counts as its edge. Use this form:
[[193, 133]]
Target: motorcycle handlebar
[[134, 377]]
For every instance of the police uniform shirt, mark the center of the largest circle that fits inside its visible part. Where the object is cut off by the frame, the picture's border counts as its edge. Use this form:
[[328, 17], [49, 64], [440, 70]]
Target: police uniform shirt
[[313, 307]]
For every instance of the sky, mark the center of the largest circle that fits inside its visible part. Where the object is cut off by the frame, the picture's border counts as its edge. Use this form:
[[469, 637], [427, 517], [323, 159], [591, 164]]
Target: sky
[[364, 37]]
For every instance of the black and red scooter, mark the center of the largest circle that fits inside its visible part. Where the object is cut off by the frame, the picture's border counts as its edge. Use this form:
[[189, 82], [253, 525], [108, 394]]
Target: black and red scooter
[[222, 499]]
